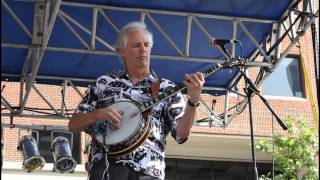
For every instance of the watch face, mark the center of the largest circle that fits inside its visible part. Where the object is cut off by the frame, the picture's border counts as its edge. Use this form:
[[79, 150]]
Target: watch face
[[193, 104], [197, 104]]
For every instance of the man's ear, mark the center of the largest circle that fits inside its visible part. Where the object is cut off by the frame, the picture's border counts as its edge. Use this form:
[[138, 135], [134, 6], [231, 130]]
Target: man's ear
[[120, 51]]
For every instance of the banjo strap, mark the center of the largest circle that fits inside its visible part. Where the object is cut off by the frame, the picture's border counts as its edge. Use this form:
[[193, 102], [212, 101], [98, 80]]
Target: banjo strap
[[155, 88]]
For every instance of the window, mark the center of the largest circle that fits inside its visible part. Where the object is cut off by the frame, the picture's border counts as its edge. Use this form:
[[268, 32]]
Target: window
[[286, 79]]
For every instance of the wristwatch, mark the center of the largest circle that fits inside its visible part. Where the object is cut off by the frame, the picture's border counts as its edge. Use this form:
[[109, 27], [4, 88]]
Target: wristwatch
[[196, 104]]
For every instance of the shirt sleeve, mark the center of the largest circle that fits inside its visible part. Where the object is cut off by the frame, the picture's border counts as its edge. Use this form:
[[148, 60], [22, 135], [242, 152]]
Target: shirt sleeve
[[89, 101], [175, 111], [87, 104]]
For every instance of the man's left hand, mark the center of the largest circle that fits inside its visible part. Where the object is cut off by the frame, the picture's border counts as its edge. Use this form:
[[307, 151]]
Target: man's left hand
[[194, 83]]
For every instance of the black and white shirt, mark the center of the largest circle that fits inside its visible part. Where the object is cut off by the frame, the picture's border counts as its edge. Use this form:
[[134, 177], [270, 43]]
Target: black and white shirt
[[149, 157]]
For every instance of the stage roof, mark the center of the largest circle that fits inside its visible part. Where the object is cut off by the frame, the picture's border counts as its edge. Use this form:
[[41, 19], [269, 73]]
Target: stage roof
[[181, 30]]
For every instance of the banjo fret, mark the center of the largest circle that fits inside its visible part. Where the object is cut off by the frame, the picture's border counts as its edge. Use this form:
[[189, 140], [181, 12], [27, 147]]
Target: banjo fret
[[170, 91]]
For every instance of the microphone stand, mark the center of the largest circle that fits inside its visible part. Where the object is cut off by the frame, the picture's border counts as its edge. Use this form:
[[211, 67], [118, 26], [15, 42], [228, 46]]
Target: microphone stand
[[250, 90], [1, 143]]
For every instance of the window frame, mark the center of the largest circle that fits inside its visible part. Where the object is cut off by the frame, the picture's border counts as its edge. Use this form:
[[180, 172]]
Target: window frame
[[302, 82]]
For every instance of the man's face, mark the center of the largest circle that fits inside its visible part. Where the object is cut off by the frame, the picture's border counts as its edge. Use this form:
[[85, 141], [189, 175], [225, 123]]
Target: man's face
[[137, 52]]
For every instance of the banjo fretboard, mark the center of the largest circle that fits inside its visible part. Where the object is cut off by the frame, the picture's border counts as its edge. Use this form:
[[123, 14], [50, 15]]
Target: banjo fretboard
[[170, 91]]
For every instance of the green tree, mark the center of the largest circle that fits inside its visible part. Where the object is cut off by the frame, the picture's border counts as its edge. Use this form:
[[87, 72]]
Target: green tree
[[295, 152]]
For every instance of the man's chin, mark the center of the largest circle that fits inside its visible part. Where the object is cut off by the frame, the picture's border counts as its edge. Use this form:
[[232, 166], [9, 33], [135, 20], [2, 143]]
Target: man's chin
[[144, 61], [145, 64]]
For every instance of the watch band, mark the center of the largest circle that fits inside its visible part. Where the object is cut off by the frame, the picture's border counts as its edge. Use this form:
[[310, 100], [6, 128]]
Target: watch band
[[196, 104]]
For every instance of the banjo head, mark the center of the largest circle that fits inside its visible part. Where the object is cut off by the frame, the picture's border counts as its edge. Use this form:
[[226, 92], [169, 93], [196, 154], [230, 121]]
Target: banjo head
[[130, 124]]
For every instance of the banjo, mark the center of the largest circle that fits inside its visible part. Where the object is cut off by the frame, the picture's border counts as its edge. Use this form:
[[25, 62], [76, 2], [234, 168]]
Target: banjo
[[135, 127]]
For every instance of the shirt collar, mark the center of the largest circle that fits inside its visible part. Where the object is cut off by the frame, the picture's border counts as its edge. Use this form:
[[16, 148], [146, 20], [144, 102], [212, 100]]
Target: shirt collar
[[124, 74]]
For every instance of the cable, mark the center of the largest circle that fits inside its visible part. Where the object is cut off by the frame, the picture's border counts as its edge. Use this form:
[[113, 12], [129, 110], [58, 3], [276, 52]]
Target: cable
[[309, 90], [241, 48], [272, 126], [106, 172]]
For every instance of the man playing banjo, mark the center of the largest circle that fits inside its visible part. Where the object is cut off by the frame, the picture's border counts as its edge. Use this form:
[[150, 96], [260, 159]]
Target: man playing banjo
[[108, 101]]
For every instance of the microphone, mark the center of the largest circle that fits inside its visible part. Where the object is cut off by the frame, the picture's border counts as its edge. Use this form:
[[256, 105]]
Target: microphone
[[222, 42]]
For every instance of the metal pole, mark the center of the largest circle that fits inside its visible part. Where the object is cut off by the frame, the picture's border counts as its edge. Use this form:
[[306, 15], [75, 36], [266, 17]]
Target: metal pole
[[254, 164]]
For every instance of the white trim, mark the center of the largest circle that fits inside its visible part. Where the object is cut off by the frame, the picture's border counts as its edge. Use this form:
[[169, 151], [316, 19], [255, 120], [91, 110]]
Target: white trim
[[216, 148], [13, 170], [285, 98], [47, 167]]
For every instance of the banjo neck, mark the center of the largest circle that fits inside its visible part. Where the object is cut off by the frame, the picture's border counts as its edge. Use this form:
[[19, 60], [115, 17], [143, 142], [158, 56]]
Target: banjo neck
[[170, 91]]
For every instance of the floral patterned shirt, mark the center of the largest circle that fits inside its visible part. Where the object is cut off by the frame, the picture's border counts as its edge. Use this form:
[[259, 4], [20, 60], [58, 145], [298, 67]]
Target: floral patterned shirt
[[149, 157]]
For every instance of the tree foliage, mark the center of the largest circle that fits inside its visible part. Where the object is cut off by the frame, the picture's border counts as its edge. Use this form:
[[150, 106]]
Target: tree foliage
[[294, 153]]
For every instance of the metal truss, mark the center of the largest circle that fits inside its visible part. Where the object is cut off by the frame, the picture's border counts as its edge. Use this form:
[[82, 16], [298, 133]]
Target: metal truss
[[45, 15], [293, 25]]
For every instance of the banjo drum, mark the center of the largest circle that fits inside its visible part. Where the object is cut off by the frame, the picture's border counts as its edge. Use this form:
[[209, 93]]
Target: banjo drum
[[133, 131]]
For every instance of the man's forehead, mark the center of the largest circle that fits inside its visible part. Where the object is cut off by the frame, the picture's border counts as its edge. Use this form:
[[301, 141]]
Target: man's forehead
[[138, 35]]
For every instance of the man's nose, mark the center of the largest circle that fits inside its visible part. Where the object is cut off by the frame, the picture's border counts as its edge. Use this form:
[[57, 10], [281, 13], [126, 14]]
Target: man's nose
[[143, 47]]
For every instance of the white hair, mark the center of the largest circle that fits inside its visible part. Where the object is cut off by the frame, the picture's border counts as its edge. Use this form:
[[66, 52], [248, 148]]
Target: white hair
[[122, 39]]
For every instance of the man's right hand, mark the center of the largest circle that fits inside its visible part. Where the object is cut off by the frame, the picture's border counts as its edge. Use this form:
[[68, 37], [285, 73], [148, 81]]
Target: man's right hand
[[109, 115], [81, 121]]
